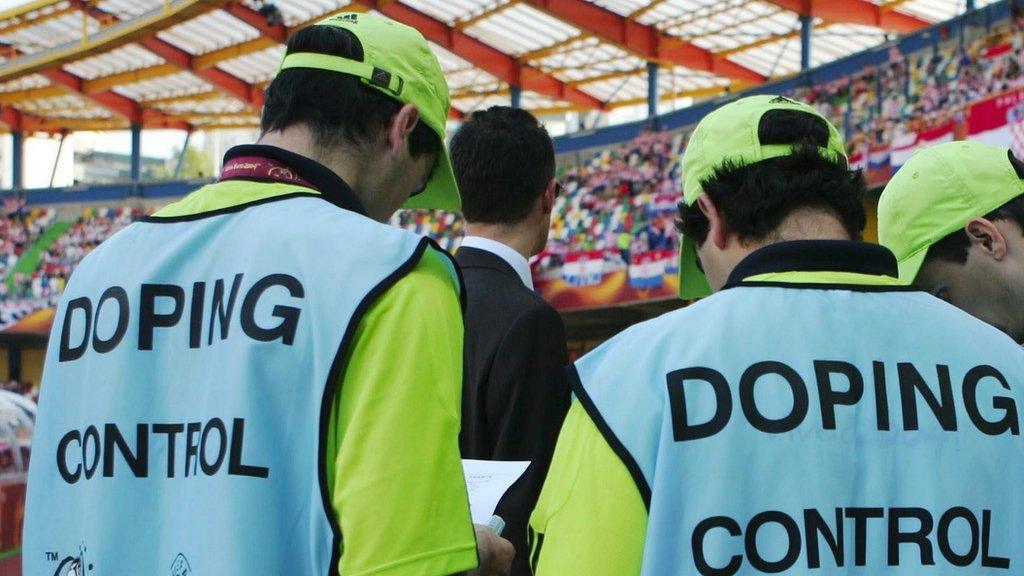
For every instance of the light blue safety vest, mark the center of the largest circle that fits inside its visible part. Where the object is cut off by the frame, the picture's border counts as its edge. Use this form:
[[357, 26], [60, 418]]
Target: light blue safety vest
[[818, 429], [187, 390]]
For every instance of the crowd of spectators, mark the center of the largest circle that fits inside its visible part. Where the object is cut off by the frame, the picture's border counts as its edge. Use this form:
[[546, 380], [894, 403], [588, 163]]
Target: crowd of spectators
[[446, 228], [620, 202], [14, 309], [60, 259], [20, 227], [924, 89], [22, 293]]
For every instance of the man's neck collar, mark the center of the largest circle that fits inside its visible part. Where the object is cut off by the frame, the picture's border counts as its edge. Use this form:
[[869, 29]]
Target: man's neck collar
[[816, 256], [330, 185], [519, 263], [509, 237]]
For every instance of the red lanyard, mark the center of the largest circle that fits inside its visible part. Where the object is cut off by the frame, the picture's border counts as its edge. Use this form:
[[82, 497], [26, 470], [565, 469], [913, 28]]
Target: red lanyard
[[260, 168]]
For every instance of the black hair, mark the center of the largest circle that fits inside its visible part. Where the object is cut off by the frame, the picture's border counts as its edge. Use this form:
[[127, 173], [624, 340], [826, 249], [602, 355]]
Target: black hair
[[754, 199], [339, 108], [955, 246], [503, 160]]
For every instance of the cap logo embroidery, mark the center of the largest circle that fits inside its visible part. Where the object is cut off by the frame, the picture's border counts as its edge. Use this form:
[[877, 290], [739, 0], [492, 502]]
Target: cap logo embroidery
[[381, 77], [781, 100]]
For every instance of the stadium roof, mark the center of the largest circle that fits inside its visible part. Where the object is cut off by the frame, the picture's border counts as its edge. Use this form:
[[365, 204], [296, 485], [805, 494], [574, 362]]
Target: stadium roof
[[103, 64]]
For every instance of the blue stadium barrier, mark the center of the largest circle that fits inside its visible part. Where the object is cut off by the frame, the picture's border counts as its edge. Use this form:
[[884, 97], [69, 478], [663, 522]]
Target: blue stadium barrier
[[171, 189], [104, 192], [91, 193]]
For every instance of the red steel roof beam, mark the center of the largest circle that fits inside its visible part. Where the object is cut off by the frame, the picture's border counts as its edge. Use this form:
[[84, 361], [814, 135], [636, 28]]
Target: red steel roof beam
[[10, 117], [855, 12], [643, 40]]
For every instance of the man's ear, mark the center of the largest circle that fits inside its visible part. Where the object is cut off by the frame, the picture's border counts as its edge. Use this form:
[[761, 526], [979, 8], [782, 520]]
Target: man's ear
[[986, 235], [402, 125], [718, 232], [547, 199]]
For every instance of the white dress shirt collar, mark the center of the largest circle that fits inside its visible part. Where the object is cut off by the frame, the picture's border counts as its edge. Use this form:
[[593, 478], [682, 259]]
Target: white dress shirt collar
[[514, 259]]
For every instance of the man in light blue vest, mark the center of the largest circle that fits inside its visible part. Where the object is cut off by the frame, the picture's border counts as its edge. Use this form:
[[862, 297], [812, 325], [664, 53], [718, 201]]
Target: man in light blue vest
[[813, 416], [264, 378]]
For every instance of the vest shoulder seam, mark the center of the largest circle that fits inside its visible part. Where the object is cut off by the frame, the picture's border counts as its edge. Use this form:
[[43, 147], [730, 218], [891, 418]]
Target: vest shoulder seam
[[332, 388], [824, 286], [609, 435], [228, 209]]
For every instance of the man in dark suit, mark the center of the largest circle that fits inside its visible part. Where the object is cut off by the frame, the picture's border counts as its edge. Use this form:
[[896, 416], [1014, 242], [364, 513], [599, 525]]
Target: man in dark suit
[[516, 392]]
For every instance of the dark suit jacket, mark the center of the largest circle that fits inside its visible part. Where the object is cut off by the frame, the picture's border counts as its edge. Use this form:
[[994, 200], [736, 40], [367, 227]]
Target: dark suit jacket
[[516, 392]]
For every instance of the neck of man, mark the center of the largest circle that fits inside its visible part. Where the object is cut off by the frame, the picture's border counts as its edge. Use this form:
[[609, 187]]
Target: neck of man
[[801, 224], [299, 139], [518, 237], [809, 224]]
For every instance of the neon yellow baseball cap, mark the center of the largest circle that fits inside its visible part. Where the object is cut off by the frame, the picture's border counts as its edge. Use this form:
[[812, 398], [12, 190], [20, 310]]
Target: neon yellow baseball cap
[[730, 133], [398, 62], [937, 192]]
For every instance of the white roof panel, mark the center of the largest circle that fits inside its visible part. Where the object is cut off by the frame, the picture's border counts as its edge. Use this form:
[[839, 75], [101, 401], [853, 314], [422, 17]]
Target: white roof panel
[[123, 59], [66, 107], [216, 106], [49, 33], [297, 12], [24, 83], [180, 83], [209, 32], [128, 8], [520, 29], [937, 10], [447, 11], [256, 67]]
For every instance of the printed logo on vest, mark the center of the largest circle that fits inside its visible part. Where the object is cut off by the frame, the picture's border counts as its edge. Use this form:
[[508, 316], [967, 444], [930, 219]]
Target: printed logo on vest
[[70, 565], [180, 566]]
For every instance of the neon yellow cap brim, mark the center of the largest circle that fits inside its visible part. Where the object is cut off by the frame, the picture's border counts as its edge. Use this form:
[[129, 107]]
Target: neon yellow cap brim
[[911, 265], [442, 192], [692, 281]]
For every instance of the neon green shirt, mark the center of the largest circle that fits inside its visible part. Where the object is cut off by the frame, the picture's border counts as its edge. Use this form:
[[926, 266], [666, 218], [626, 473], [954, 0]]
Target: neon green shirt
[[590, 518], [394, 430]]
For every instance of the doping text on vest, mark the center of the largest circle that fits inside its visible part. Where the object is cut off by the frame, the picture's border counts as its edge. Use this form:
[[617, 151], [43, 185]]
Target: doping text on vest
[[158, 306], [838, 385], [775, 398]]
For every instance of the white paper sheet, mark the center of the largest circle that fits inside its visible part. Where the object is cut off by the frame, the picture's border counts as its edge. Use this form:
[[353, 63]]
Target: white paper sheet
[[487, 481]]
